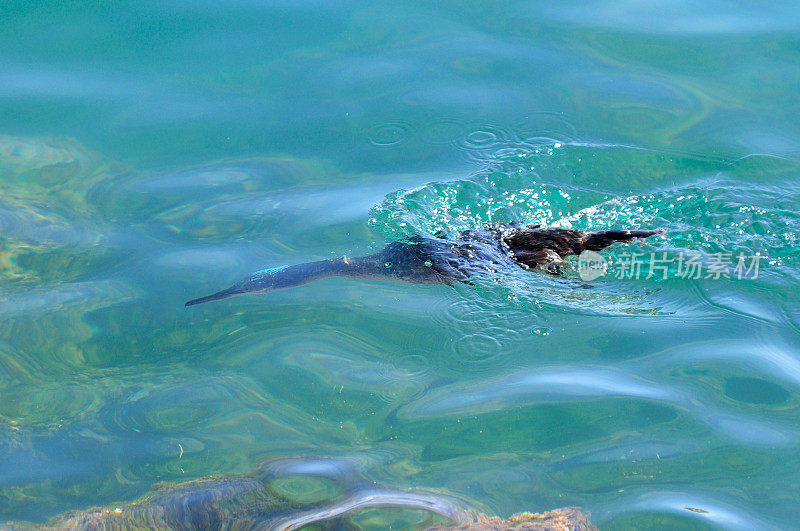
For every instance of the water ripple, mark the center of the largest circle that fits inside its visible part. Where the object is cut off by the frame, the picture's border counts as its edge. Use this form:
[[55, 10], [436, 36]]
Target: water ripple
[[695, 507], [389, 134], [534, 386]]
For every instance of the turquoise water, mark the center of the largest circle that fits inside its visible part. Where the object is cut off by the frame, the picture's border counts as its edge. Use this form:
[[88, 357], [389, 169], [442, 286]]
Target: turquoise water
[[155, 152]]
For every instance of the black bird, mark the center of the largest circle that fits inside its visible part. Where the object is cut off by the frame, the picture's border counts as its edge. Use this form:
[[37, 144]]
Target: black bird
[[432, 260]]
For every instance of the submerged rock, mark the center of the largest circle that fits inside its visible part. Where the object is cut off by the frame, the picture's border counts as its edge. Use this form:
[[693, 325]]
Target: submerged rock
[[259, 500], [567, 518]]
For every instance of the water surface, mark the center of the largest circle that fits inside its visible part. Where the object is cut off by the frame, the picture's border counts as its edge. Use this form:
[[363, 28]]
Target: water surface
[[154, 153]]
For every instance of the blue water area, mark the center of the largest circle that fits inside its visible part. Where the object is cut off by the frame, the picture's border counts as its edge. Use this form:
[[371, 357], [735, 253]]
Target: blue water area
[[155, 152]]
